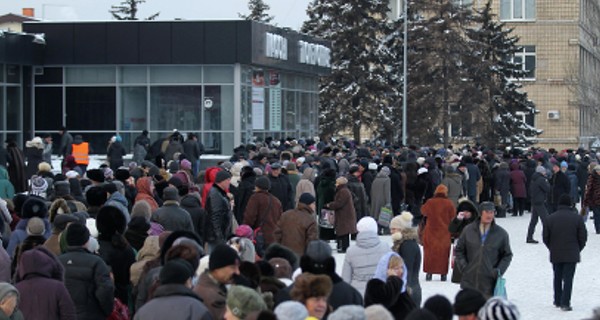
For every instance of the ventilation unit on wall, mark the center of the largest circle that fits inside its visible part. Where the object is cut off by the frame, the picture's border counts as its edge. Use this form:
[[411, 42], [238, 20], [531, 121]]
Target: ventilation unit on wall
[[553, 115]]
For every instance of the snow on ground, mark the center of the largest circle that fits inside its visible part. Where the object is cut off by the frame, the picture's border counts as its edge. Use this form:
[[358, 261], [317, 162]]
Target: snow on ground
[[529, 277]]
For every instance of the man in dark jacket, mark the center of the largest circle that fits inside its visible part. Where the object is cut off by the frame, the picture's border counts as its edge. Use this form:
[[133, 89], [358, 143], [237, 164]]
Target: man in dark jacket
[[538, 189], [483, 252], [560, 185], [281, 187], [86, 276], [218, 208], [474, 176], [565, 236], [171, 216], [297, 228], [66, 139], [191, 148]]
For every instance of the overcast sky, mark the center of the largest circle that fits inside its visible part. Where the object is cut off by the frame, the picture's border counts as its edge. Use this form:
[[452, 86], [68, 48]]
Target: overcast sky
[[287, 13]]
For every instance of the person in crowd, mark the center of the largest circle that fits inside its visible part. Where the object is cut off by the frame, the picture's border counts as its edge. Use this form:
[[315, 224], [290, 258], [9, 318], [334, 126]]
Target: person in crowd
[[35, 238], [565, 236], [474, 175], [518, 188], [438, 212], [171, 216], [467, 304], [32, 207], [591, 197], [34, 150], [145, 188], [191, 148], [539, 189], [115, 153], [47, 153], [263, 211], [143, 209], [81, 151], [141, 145], [7, 190], [388, 286], [381, 195], [405, 243], [359, 194], [361, 259], [87, 277], [294, 177], [454, 182], [16, 166], [242, 302], [502, 185], [466, 213], [39, 279], [174, 298], [9, 301], [66, 140], [243, 192], [313, 291], [192, 203], [345, 215], [281, 187], [218, 211], [480, 268], [297, 228], [325, 190], [137, 232], [559, 185], [440, 306], [59, 225]]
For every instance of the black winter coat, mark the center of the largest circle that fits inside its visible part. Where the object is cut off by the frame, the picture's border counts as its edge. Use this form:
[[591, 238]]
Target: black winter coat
[[88, 280], [120, 260], [560, 185], [397, 191], [565, 235], [242, 194], [389, 294], [361, 201], [192, 204], [115, 154], [281, 188], [408, 248], [218, 218], [539, 188]]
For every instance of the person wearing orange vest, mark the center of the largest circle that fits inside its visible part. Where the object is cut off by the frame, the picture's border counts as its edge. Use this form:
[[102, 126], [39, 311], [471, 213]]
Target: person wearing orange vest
[[80, 150]]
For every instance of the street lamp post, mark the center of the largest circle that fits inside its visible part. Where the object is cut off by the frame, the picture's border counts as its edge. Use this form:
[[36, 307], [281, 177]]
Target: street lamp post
[[405, 73]]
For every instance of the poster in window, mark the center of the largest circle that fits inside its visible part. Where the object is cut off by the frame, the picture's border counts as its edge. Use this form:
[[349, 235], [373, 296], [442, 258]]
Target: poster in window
[[274, 101]]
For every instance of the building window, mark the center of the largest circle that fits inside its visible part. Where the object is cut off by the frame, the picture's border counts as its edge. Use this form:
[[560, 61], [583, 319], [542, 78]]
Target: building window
[[466, 3], [517, 9], [526, 59]]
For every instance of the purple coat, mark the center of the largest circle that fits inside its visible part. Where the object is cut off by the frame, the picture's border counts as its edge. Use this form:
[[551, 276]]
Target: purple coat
[[517, 181], [40, 283]]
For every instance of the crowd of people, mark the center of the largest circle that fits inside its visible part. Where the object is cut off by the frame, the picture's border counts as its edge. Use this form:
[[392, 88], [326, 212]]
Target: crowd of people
[[248, 238]]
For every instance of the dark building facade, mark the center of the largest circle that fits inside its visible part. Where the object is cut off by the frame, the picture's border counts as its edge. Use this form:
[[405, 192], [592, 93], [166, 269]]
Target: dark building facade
[[231, 82]]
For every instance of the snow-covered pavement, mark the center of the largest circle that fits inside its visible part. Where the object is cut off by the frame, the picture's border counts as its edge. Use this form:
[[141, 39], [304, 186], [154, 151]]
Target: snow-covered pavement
[[529, 277]]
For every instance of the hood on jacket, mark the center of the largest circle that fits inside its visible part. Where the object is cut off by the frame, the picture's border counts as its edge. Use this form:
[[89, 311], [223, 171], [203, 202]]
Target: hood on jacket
[[191, 200], [39, 261], [468, 205], [118, 197], [211, 174], [309, 174], [382, 268], [367, 239], [150, 250], [143, 185]]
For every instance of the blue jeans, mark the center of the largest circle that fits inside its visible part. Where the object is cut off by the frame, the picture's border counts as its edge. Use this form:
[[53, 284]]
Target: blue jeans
[[563, 283]]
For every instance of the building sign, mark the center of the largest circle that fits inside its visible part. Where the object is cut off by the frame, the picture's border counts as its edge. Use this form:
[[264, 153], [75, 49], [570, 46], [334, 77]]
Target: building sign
[[277, 46], [258, 100], [314, 54], [274, 101]]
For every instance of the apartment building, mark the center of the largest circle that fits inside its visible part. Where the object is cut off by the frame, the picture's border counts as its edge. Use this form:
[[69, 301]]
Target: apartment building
[[561, 53]]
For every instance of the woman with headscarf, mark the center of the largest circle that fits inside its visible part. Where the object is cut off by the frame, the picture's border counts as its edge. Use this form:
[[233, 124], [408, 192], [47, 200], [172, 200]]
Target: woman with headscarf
[[388, 287], [145, 188], [405, 238], [9, 300], [439, 212], [345, 215]]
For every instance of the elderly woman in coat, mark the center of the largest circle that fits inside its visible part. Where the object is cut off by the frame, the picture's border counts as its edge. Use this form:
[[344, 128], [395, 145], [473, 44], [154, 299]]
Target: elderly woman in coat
[[439, 212], [345, 215]]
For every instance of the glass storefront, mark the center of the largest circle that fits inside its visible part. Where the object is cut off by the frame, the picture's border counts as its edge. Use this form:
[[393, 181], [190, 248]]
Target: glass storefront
[[11, 103]]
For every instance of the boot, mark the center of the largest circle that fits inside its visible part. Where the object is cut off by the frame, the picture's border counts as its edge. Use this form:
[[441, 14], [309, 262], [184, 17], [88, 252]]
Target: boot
[[443, 278], [428, 277]]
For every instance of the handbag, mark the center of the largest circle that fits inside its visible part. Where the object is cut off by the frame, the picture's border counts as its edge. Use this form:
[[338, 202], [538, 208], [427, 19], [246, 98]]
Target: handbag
[[500, 288], [497, 199], [327, 218], [385, 216]]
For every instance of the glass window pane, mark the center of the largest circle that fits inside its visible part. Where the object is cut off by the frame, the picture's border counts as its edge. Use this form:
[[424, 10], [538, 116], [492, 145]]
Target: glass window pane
[[218, 108], [1, 73], [505, 9], [98, 141], [289, 110], [13, 74], [176, 74], [80, 75], [1, 109], [133, 75], [91, 108], [530, 9], [530, 66], [529, 48], [518, 9], [218, 74], [133, 108], [218, 142], [48, 108], [13, 108], [175, 108], [50, 76]]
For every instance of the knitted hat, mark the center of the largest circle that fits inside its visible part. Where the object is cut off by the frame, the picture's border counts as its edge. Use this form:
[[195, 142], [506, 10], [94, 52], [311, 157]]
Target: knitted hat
[[291, 310], [402, 221], [353, 168], [468, 301], [110, 220], [366, 224], [185, 164], [497, 308], [222, 176], [348, 312], [291, 167], [62, 188], [222, 256], [565, 200], [6, 288], [306, 198], [564, 164], [95, 175], [38, 185], [540, 169], [440, 306], [176, 271], [241, 301], [34, 207], [35, 227], [170, 193], [122, 174], [263, 183], [77, 235], [108, 174], [244, 231]]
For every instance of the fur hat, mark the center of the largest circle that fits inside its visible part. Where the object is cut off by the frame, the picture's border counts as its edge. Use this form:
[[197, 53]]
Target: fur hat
[[441, 189], [77, 235], [306, 198], [34, 207], [44, 167], [402, 221], [263, 183], [95, 175], [71, 174], [282, 268], [176, 271], [36, 227], [62, 188], [318, 251], [540, 169], [242, 301], [110, 220], [340, 181], [497, 308], [468, 301], [440, 306], [122, 174], [487, 206], [222, 256], [222, 176], [276, 250], [309, 285], [366, 224]]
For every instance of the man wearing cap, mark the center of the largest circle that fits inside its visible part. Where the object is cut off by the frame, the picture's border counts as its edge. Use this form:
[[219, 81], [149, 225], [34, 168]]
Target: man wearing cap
[[281, 187], [174, 299], [223, 266], [483, 252], [467, 304], [217, 226], [171, 216], [86, 276], [565, 236], [298, 227], [539, 188], [263, 211]]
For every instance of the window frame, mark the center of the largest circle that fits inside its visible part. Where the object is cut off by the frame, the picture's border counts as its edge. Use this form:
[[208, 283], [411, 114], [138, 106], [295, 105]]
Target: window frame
[[512, 18], [523, 54]]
